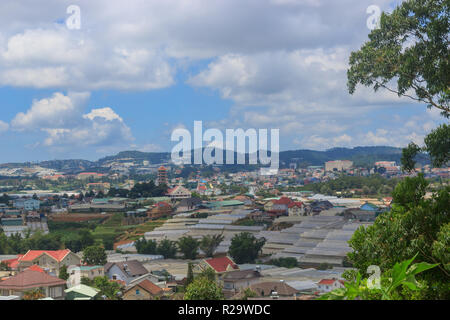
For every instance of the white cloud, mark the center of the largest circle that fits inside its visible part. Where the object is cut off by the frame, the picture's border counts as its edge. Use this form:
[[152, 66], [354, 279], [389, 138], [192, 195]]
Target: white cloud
[[61, 118], [3, 126]]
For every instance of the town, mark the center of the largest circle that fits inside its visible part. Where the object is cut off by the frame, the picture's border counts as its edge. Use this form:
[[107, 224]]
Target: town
[[146, 235]]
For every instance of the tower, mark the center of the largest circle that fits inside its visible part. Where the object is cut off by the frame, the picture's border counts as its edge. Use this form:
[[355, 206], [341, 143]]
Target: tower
[[162, 176]]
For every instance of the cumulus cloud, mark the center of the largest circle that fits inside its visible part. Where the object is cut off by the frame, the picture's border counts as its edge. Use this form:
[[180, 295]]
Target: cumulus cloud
[[3, 126], [61, 118]]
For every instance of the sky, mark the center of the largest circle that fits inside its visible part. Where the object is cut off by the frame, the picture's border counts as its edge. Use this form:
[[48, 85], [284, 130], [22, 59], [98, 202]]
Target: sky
[[128, 75]]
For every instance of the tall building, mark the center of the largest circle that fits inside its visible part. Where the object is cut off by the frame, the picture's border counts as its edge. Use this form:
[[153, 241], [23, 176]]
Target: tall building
[[338, 165], [162, 175]]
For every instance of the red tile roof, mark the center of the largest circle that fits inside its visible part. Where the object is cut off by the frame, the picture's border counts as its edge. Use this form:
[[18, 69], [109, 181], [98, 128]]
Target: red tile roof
[[13, 263], [35, 267], [149, 287], [283, 200], [330, 281], [296, 204], [56, 254], [221, 264], [30, 279]]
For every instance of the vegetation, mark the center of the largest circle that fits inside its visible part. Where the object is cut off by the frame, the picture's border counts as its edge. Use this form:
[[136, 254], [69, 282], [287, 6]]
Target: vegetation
[[63, 274], [203, 288], [34, 294], [245, 248], [94, 255], [288, 262], [392, 285], [209, 244], [167, 248], [188, 247]]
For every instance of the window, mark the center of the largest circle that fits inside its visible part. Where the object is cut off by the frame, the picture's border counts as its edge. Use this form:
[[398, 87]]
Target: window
[[138, 292]]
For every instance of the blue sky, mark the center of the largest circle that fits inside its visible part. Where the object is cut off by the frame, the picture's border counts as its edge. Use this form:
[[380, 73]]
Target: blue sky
[[131, 75]]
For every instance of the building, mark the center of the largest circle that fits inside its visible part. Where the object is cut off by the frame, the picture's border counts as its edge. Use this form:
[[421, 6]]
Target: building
[[296, 209], [179, 192], [159, 210], [273, 289], [29, 280], [338, 165], [49, 260], [125, 271], [78, 272], [220, 265], [81, 292], [235, 281], [162, 176], [327, 285], [144, 290], [26, 204]]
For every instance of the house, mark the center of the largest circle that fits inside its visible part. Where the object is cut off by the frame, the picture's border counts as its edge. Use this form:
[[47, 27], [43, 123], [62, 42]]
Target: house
[[49, 260], [81, 292], [220, 265], [367, 206], [280, 206], [179, 192], [78, 272], [327, 285], [159, 210], [28, 280], [235, 281], [125, 271], [296, 209], [273, 289], [144, 290]]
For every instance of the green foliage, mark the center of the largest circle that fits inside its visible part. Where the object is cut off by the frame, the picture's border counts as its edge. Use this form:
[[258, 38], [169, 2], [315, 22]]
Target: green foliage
[[400, 276], [63, 274], [248, 293], [189, 247], [209, 243], [324, 266], [107, 288], [208, 273], [411, 48], [4, 266], [287, 262], [437, 145], [34, 294], [190, 274], [203, 289], [167, 248], [140, 190], [94, 255], [245, 247], [414, 224], [146, 246]]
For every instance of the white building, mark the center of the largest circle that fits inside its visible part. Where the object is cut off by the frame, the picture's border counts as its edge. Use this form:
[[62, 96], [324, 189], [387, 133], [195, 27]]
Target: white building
[[327, 285], [27, 204]]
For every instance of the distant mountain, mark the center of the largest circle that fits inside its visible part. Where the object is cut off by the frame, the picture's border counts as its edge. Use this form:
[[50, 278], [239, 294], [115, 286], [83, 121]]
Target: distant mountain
[[361, 156]]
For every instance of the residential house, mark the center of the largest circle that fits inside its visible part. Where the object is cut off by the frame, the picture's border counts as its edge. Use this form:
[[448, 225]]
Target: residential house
[[188, 204], [220, 265], [235, 281], [280, 206], [81, 292], [273, 289], [26, 204], [144, 290], [296, 209], [125, 271], [179, 192], [29, 280], [78, 272], [49, 260], [327, 285], [159, 210]]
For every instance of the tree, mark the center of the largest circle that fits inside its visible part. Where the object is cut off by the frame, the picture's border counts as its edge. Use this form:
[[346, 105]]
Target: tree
[[94, 255], [145, 247], [189, 247], [401, 276], [203, 289], [63, 272], [437, 145], [411, 50], [414, 224], [167, 248], [86, 238], [245, 247], [210, 243], [34, 294], [107, 288], [190, 275]]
